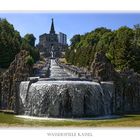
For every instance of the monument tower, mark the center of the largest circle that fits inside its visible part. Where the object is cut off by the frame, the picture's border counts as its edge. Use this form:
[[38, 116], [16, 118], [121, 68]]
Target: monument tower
[[52, 44], [52, 31]]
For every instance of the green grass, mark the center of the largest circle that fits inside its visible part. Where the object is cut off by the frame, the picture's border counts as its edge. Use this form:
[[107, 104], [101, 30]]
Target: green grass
[[9, 120]]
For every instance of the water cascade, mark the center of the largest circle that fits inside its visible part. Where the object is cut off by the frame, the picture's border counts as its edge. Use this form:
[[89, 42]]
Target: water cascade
[[58, 72], [65, 98]]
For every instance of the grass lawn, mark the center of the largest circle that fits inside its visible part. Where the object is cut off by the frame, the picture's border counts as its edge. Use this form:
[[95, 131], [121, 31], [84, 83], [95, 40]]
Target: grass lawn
[[9, 120]]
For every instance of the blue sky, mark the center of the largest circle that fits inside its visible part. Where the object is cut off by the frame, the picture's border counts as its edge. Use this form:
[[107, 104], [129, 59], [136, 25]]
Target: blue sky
[[69, 23]]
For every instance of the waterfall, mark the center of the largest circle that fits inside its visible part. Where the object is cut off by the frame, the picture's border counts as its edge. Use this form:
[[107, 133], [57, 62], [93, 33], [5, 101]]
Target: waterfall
[[58, 72], [65, 98]]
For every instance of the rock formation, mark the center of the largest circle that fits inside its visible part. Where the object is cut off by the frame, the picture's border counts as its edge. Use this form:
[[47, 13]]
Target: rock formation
[[127, 85], [127, 93], [18, 71], [102, 68]]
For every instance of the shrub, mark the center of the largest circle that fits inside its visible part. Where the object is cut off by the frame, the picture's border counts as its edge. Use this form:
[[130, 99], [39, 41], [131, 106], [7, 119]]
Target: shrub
[[29, 60]]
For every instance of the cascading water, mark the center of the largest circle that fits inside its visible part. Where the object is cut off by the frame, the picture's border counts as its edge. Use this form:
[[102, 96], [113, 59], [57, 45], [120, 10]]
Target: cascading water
[[58, 72], [65, 98]]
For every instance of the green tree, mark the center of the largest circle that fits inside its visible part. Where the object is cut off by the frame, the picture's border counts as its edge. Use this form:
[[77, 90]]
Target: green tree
[[123, 39], [121, 46], [75, 39], [10, 42], [30, 60], [30, 39], [28, 43], [134, 50]]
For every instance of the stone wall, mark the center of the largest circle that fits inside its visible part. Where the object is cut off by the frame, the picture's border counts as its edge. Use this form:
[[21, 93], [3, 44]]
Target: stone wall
[[18, 71]]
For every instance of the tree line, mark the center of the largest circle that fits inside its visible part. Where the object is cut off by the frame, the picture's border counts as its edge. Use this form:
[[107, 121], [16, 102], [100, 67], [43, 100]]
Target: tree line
[[121, 46], [11, 43]]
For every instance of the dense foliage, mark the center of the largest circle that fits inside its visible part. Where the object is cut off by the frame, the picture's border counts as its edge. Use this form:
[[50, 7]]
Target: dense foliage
[[11, 43], [28, 43], [121, 46], [29, 60]]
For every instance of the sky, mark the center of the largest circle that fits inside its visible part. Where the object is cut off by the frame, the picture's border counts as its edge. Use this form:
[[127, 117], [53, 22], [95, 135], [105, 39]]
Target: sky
[[68, 23]]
